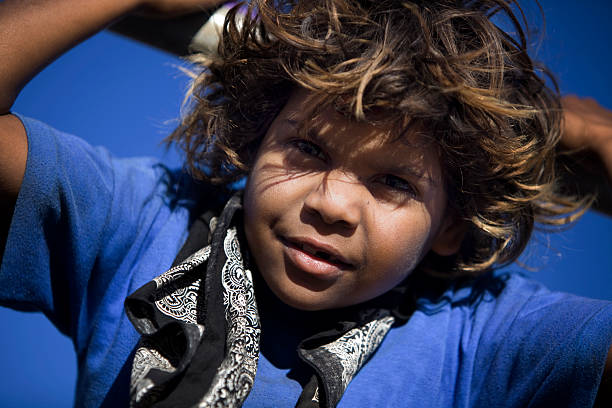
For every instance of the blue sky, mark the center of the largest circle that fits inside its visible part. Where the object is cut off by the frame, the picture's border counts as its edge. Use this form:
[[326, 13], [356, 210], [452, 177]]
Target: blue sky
[[126, 96]]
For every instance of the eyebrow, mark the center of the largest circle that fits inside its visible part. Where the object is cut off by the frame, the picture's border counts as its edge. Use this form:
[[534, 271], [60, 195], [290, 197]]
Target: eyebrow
[[396, 169], [299, 125], [409, 170], [292, 122]]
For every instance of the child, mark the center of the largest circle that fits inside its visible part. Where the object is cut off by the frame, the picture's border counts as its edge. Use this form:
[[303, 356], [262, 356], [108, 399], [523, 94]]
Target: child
[[357, 167]]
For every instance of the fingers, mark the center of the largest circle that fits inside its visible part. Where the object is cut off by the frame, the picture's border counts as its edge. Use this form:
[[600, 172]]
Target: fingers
[[587, 124]]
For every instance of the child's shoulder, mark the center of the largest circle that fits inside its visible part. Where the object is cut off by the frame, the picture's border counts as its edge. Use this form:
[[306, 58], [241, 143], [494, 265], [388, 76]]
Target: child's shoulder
[[510, 319], [93, 222], [502, 337], [504, 294]]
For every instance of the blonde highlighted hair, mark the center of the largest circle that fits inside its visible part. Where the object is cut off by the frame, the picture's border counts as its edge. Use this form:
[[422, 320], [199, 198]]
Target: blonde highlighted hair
[[441, 64]]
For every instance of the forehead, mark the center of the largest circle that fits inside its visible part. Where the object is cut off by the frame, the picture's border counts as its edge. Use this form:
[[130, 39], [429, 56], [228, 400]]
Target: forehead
[[326, 116], [383, 139], [308, 110]]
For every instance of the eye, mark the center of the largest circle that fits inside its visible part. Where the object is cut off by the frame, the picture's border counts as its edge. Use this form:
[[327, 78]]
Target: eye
[[309, 148], [398, 184]]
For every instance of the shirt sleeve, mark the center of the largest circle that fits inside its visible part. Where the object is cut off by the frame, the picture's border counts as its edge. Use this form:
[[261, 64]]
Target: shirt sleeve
[[79, 212], [550, 351]]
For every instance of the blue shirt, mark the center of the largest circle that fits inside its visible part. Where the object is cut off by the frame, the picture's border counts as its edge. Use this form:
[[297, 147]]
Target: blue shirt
[[89, 229]]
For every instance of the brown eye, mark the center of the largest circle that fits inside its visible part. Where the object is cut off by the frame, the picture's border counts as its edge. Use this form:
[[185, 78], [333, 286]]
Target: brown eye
[[398, 184], [309, 148]]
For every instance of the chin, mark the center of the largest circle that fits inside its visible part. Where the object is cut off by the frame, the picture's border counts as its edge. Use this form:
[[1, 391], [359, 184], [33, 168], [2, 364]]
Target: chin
[[303, 299]]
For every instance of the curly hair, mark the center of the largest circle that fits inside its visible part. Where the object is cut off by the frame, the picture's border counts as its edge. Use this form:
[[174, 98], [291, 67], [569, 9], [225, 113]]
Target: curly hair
[[443, 64]]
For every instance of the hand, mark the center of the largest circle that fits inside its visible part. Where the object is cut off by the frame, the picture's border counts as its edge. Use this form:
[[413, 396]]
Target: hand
[[587, 125], [587, 131], [174, 8]]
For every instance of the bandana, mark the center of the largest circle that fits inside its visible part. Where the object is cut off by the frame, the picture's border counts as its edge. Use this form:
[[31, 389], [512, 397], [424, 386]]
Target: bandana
[[200, 330]]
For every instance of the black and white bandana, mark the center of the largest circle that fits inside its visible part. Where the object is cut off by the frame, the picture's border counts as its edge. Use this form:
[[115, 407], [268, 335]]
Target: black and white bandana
[[200, 331]]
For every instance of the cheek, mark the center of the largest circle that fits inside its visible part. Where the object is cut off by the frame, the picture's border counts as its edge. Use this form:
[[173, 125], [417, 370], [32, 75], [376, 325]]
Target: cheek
[[258, 219], [250, 210], [260, 185], [273, 187], [251, 198], [263, 199], [255, 206], [402, 242], [270, 195]]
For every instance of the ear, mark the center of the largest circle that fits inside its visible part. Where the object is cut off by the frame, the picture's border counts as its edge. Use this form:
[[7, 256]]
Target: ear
[[449, 238]]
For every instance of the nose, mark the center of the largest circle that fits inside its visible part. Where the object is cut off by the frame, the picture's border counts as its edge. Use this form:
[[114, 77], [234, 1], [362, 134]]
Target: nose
[[336, 199]]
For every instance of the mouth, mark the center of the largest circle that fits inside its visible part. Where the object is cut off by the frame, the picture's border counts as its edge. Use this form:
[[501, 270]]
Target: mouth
[[319, 252]]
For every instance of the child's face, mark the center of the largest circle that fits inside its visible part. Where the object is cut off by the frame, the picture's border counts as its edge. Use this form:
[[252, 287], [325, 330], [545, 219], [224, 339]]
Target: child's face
[[340, 214]]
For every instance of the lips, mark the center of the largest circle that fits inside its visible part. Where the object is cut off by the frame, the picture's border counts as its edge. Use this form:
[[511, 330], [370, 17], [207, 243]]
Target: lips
[[321, 254], [316, 258]]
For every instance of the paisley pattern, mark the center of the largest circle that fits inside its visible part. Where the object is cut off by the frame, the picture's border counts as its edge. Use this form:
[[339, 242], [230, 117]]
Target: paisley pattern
[[171, 314], [356, 346], [177, 301], [177, 297], [236, 374], [179, 270], [146, 358]]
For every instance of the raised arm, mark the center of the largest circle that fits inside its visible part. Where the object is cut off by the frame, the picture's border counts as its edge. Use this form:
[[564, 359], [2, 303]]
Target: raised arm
[[587, 139], [588, 125], [35, 32], [588, 130], [32, 34]]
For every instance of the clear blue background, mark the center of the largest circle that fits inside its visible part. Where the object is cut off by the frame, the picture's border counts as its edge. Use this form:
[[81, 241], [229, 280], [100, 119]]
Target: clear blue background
[[126, 96]]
